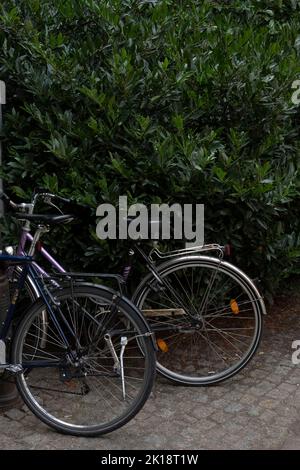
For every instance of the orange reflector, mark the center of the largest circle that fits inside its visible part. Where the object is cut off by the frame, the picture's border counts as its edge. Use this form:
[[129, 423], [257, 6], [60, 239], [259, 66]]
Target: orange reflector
[[162, 345], [234, 306]]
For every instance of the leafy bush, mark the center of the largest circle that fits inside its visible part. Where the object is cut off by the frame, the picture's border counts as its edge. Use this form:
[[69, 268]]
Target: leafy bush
[[160, 100]]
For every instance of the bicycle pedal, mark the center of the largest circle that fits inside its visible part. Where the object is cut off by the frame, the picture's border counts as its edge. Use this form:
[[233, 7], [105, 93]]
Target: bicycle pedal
[[66, 375]]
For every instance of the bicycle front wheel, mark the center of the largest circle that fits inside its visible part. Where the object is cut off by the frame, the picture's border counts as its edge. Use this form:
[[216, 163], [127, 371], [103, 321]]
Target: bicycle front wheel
[[94, 369], [207, 318]]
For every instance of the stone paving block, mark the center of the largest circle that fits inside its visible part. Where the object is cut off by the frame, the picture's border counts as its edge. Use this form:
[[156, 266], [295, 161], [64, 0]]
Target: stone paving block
[[268, 403], [248, 399], [294, 378], [291, 443], [201, 430], [242, 419], [275, 432], [257, 374], [201, 411], [276, 378], [287, 387], [216, 392], [278, 394], [220, 417], [203, 398], [7, 443], [232, 428], [186, 417], [220, 403], [254, 411], [282, 370], [288, 410], [257, 409], [216, 434], [283, 421], [257, 391], [268, 416], [15, 414], [296, 396], [265, 385], [234, 408]]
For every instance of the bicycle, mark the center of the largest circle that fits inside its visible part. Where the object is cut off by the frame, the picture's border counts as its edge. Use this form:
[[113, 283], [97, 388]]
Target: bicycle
[[92, 369], [205, 312]]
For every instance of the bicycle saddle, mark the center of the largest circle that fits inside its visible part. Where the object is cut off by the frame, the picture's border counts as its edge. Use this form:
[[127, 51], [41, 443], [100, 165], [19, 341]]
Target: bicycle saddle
[[49, 219]]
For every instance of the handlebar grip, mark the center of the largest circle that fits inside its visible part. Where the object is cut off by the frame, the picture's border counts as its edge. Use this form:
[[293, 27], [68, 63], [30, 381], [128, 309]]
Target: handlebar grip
[[7, 200], [4, 196], [63, 199]]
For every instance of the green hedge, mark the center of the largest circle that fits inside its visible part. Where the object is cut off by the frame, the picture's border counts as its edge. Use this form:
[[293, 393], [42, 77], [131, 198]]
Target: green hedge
[[186, 101]]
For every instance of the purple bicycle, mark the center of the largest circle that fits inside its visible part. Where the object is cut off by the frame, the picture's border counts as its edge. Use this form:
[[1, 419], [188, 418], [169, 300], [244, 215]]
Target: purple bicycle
[[205, 312]]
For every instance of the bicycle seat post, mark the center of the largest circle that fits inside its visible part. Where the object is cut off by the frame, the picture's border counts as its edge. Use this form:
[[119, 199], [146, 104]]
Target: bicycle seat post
[[39, 232]]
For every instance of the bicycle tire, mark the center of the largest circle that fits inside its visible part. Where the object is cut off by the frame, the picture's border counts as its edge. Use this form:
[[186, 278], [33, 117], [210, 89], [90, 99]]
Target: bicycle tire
[[139, 390], [166, 359]]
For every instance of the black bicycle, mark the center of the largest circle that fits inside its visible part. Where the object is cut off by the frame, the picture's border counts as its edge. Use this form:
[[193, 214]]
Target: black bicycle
[[206, 314], [82, 356]]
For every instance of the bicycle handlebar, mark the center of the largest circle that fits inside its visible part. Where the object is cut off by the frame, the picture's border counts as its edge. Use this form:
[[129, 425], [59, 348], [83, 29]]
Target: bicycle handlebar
[[45, 192], [80, 211], [77, 209]]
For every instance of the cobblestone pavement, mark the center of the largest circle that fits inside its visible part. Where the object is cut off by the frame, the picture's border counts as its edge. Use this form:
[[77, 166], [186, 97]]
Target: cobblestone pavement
[[257, 409]]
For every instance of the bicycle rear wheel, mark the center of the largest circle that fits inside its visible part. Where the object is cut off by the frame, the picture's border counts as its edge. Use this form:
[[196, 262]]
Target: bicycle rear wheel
[[86, 387], [207, 318]]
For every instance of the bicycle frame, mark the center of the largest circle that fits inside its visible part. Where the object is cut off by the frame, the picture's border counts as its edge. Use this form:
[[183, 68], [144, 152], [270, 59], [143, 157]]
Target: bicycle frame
[[150, 263], [30, 269], [27, 237], [148, 259]]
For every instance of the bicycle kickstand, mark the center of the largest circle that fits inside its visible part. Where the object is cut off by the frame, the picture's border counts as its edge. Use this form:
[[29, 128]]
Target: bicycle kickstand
[[118, 362]]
